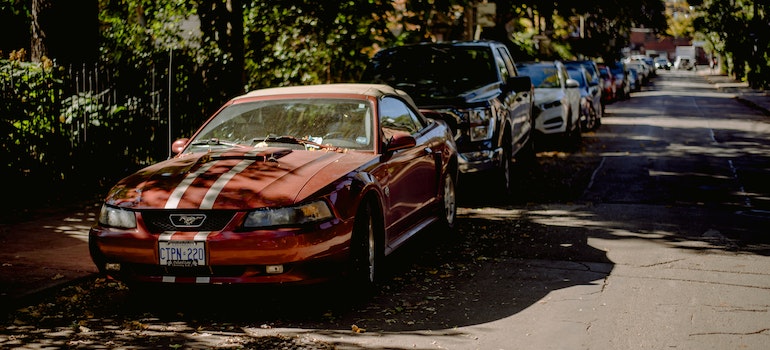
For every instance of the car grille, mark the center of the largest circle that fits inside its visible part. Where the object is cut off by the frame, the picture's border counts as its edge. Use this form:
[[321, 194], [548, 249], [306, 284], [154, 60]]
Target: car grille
[[160, 221]]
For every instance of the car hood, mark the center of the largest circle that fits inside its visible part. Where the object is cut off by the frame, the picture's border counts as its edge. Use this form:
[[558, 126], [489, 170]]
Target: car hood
[[547, 95], [235, 179], [434, 96]]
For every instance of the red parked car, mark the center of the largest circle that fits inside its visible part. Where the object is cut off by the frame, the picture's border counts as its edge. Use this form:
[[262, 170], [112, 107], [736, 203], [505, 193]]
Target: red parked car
[[609, 93], [283, 185]]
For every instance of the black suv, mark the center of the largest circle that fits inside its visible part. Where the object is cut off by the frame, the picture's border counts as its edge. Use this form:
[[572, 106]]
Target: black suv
[[477, 85]]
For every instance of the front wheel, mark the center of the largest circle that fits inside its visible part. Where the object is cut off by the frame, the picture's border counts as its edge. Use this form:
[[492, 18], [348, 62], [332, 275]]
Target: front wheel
[[591, 117], [365, 250], [574, 134], [505, 172]]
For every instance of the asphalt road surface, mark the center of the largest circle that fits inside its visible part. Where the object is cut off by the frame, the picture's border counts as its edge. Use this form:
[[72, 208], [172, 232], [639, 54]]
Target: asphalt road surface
[[653, 235]]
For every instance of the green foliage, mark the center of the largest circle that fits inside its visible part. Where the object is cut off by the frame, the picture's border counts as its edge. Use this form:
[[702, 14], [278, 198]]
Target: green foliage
[[309, 42], [738, 31], [33, 146], [28, 107]]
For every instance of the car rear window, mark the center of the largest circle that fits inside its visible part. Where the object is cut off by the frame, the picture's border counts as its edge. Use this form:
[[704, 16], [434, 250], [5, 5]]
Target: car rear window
[[543, 76]]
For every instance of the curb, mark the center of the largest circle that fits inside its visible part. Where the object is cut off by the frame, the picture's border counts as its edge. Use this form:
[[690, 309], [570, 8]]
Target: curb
[[740, 89], [753, 105]]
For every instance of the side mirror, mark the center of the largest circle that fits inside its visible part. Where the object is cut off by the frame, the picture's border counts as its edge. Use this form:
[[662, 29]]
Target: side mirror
[[400, 141], [178, 145], [572, 83], [520, 84]]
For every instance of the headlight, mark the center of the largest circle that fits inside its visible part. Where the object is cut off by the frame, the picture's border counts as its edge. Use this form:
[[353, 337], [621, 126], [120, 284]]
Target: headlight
[[481, 123], [116, 217], [297, 215], [549, 105]]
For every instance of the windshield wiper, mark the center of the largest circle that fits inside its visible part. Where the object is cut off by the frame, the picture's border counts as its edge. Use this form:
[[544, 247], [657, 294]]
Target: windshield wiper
[[290, 140], [213, 142]]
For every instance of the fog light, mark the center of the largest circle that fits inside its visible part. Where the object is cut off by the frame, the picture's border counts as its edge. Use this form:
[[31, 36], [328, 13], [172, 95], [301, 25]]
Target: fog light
[[274, 269], [112, 266]]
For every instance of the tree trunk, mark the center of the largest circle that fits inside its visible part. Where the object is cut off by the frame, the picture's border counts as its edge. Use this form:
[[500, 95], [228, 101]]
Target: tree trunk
[[39, 44]]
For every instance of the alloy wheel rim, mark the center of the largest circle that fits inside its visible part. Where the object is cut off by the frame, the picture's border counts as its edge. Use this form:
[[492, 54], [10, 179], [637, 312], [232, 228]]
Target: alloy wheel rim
[[370, 249], [450, 206]]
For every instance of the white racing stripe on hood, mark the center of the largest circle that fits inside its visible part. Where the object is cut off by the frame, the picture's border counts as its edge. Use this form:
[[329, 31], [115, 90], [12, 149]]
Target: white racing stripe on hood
[[219, 185], [215, 189], [176, 196]]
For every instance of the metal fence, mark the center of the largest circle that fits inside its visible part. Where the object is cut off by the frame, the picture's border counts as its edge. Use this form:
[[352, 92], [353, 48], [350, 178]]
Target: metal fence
[[68, 130]]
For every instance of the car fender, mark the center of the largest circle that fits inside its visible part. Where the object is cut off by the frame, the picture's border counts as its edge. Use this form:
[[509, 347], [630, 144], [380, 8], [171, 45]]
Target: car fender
[[363, 184]]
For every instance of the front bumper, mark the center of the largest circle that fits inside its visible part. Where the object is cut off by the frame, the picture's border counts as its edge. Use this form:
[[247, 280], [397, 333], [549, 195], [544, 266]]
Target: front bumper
[[269, 256], [551, 121], [480, 160]]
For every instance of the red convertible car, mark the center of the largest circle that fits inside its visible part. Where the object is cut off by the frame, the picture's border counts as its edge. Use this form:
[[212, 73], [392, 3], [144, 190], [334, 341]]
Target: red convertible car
[[283, 185]]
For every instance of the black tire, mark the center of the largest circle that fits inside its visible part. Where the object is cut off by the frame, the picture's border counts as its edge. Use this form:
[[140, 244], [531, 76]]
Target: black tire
[[598, 121], [505, 172], [589, 123], [366, 250], [577, 133], [599, 116], [528, 154], [574, 135]]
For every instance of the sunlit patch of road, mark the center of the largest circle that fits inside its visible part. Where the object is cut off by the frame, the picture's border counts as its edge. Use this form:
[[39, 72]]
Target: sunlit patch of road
[[684, 93], [688, 122]]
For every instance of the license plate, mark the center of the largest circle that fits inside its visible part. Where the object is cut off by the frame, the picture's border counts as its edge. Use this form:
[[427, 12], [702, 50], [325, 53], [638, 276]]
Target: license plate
[[182, 253]]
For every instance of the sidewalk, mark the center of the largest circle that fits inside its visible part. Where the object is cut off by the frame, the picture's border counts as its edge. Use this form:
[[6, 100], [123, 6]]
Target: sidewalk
[[48, 251], [757, 99]]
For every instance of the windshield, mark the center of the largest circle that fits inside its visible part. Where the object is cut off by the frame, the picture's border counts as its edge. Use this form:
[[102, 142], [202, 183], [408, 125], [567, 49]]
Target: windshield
[[542, 76], [304, 123], [431, 71], [578, 75]]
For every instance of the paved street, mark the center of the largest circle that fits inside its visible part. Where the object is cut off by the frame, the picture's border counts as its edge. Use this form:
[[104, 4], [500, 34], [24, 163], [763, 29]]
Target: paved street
[[664, 245]]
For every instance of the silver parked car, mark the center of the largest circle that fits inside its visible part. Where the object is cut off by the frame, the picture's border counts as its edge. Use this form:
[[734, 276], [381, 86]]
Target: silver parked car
[[557, 98], [595, 87], [590, 119]]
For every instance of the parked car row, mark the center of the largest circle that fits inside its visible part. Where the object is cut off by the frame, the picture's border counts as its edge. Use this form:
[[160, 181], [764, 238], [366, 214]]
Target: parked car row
[[305, 184], [620, 78]]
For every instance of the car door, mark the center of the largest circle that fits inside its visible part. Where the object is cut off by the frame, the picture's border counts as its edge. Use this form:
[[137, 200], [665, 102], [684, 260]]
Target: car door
[[412, 178], [515, 103], [573, 96]]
